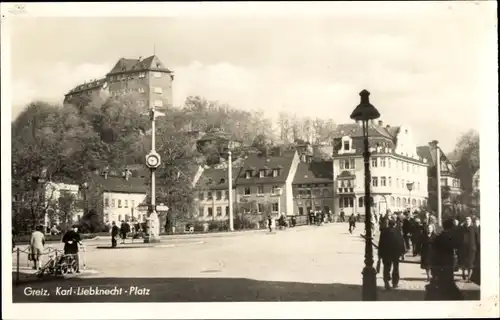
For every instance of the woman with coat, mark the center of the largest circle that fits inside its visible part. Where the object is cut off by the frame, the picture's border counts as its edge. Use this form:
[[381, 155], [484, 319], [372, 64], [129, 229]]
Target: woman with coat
[[467, 249], [426, 244]]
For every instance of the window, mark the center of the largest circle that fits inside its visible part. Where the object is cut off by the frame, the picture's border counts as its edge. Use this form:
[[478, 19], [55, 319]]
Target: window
[[389, 181], [209, 195], [119, 203], [346, 202], [398, 202], [201, 196], [158, 90], [375, 181], [142, 74], [260, 189], [262, 174], [301, 211], [346, 145], [352, 163], [397, 182], [326, 193], [218, 195], [413, 168], [201, 211], [157, 74], [219, 211], [418, 185], [275, 207], [126, 203], [132, 205], [407, 167], [361, 202], [247, 191], [374, 162], [247, 175], [389, 162], [327, 209], [382, 162], [403, 183], [274, 190], [227, 210], [261, 208], [158, 103], [119, 217], [112, 203], [382, 182], [106, 202], [210, 212], [341, 164], [392, 202], [141, 90], [275, 172]]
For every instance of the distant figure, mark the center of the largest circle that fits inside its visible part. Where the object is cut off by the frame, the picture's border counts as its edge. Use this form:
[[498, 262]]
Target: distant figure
[[468, 248], [358, 217], [13, 239], [71, 241], [270, 223], [417, 231], [342, 216], [124, 230], [426, 246], [407, 228], [476, 273], [390, 249], [114, 234], [426, 220], [37, 242], [352, 223]]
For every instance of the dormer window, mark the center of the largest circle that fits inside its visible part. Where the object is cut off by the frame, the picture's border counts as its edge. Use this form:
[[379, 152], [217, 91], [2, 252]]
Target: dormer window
[[247, 175], [276, 172], [262, 173], [347, 145]]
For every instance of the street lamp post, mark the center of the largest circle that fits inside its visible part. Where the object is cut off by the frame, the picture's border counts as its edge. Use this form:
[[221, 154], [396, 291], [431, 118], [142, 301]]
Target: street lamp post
[[365, 112], [153, 161], [438, 178], [409, 186]]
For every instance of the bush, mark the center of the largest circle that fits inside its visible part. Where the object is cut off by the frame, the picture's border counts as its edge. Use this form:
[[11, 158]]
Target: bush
[[198, 226], [242, 223], [215, 226]]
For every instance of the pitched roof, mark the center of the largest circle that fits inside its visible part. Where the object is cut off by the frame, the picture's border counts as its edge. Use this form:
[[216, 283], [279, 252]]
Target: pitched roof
[[216, 134], [356, 130], [216, 179], [149, 63], [120, 184], [425, 152], [92, 85], [314, 172], [429, 153], [255, 163]]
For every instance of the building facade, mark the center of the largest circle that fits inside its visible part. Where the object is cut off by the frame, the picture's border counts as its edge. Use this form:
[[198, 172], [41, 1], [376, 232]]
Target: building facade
[[313, 187], [148, 80], [264, 183], [212, 194], [398, 174]]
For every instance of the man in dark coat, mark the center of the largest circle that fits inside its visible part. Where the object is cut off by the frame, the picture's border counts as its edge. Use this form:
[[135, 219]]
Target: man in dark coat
[[416, 236], [467, 250], [406, 226], [352, 223], [390, 249], [443, 286], [114, 234], [71, 241], [476, 273]]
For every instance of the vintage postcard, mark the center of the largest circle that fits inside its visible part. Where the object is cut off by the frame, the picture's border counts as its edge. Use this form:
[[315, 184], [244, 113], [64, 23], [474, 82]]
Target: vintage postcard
[[250, 160]]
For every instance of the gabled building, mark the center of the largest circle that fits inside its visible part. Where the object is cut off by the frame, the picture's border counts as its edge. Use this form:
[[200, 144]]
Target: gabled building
[[449, 177], [149, 80], [212, 193], [117, 197], [395, 168], [313, 187], [218, 139], [266, 181]]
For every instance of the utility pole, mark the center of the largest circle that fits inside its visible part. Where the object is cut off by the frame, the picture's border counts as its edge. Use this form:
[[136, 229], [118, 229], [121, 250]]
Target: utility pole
[[438, 175]]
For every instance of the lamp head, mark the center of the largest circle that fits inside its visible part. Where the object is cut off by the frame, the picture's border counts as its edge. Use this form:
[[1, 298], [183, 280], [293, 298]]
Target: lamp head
[[365, 111], [409, 185]]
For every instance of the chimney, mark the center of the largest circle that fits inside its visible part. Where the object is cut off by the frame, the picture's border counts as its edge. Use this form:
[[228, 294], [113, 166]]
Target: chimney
[[381, 123]]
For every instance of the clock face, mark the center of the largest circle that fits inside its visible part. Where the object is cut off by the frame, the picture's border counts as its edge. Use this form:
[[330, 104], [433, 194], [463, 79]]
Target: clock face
[[152, 161]]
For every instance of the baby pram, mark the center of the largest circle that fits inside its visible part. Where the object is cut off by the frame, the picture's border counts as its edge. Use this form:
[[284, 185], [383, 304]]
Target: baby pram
[[59, 264]]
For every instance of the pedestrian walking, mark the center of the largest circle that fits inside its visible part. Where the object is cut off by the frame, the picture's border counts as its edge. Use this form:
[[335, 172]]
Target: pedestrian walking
[[71, 241], [124, 230], [467, 249], [407, 226], [352, 223], [114, 234], [390, 249], [417, 232], [270, 223], [426, 244], [37, 243], [342, 216]]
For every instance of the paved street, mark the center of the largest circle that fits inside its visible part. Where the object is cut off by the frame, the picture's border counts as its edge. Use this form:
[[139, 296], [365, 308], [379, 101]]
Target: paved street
[[306, 263]]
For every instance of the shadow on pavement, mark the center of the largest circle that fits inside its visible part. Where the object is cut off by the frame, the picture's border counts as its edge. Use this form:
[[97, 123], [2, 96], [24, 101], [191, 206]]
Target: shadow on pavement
[[195, 290]]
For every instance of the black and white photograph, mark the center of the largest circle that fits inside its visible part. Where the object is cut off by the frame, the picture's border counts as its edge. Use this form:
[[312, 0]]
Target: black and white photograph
[[297, 155]]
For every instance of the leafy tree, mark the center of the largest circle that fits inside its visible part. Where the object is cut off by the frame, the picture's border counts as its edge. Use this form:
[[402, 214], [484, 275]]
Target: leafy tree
[[467, 154], [66, 209]]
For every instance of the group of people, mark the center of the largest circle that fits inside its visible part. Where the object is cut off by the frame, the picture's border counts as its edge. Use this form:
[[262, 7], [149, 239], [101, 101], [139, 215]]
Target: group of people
[[442, 251], [71, 240], [123, 231]]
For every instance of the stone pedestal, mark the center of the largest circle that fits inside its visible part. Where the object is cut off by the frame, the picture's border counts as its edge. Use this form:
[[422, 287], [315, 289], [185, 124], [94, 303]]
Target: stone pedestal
[[153, 229]]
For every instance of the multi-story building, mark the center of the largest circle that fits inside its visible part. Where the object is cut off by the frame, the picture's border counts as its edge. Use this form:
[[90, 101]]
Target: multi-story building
[[395, 167], [450, 182], [212, 193], [149, 80], [266, 181], [117, 197], [313, 187]]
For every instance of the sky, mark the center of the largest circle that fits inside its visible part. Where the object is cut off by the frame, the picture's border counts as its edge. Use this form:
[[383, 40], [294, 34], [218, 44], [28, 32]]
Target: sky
[[424, 63]]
